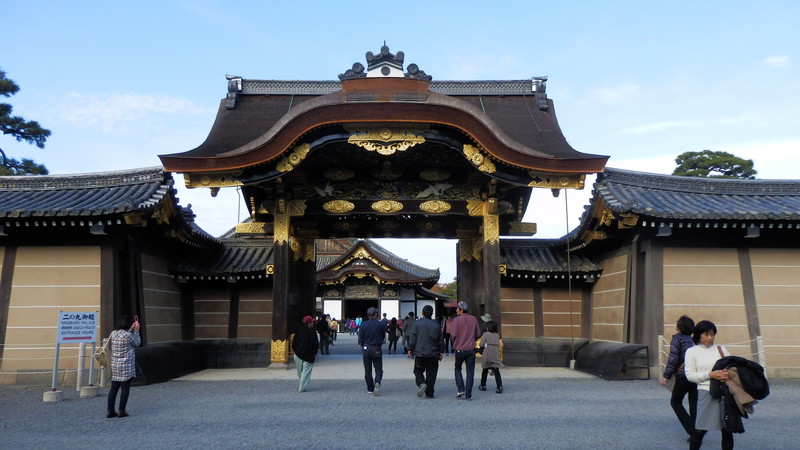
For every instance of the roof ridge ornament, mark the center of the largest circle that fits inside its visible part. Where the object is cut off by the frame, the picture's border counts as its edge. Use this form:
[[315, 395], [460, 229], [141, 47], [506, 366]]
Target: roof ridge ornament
[[539, 89], [384, 64]]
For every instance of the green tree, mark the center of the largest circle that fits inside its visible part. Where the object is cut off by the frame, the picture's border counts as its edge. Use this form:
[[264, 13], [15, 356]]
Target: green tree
[[714, 165], [449, 289], [20, 129]]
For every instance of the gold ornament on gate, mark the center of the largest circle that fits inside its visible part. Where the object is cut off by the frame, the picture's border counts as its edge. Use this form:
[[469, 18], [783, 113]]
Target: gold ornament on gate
[[435, 206]]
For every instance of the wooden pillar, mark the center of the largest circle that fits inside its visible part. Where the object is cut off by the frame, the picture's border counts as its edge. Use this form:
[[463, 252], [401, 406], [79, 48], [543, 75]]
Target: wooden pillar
[[279, 349], [6, 275], [470, 286], [491, 260], [491, 280], [302, 300]]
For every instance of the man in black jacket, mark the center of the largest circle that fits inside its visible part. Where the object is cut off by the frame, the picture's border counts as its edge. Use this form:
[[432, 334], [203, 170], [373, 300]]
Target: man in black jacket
[[371, 336], [305, 346], [426, 345], [324, 331]]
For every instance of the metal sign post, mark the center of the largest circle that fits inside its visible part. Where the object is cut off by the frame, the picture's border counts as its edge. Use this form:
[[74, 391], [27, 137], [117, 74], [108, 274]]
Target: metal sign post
[[73, 327]]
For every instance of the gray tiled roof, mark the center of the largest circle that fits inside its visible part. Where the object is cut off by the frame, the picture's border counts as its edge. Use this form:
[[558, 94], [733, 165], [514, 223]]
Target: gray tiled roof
[[691, 198], [543, 256], [282, 87], [83, 195], [233, 257]]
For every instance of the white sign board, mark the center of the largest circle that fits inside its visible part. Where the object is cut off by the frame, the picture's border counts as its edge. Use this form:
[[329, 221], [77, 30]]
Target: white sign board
[[77, 327]]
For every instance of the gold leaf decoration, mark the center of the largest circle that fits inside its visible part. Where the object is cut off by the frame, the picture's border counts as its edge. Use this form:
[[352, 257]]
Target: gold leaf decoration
[[338, 206], [387, 206], [385, 140], [279, 351], [251, 228], [293, 159], [556, 180], [435, 206], [478, 159]]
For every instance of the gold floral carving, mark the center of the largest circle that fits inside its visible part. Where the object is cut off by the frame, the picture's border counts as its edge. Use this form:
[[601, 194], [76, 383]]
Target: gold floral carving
[[279, 351], [251, 228], [294, 158], [478, 159], [606, 217], [338, 206], [503, 269], [270, 269], [556, 180], [387, 206], [213, 179], [434, 206], [385, 140]]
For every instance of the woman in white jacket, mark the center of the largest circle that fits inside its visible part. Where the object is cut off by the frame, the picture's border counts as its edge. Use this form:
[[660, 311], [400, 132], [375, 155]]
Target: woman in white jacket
[[700, 359]]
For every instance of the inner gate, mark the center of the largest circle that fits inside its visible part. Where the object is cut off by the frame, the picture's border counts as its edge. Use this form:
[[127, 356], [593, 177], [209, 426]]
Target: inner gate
[[383, 153]]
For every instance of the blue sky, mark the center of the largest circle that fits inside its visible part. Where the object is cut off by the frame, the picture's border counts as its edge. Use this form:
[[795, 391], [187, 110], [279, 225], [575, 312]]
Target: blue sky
[[119, 83]]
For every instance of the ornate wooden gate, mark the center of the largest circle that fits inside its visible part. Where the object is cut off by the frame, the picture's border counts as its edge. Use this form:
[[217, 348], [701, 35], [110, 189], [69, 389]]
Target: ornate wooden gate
[[384, 153]]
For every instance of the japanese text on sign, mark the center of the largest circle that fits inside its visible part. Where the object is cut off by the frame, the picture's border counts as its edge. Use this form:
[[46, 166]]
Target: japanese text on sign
[[77, 327]]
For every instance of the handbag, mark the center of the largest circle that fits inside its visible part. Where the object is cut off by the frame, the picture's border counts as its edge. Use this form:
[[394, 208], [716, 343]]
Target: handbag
[[103, 354], [673, 379]]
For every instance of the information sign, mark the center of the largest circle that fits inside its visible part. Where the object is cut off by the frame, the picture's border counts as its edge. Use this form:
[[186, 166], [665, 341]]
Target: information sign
[[77, 327]]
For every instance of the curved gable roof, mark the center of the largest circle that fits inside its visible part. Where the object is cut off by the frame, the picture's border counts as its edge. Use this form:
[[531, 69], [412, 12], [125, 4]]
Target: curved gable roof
[[386, 265], [503, 117]]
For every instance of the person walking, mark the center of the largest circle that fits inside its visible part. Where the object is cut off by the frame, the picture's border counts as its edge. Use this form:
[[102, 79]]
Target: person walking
[[393, 334], [491, 343], [464, 331], [408, 325], [681, 341], [371, 335], [123, 364], [700, 360], [425, 345], [353, 327], [324, 331], [447, 323], [334, 329], [305, 346]]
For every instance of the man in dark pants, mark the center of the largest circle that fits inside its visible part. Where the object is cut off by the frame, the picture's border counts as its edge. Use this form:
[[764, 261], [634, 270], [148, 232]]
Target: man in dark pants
[[425, 344], [324, 336], [464, 331], [371, 335], [305, 346]]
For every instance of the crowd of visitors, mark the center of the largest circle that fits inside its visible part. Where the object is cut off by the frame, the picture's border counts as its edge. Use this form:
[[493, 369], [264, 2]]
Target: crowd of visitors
[[426, 341]]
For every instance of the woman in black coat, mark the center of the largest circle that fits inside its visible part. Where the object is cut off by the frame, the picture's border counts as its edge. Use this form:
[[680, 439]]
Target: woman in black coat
[[681, 341]]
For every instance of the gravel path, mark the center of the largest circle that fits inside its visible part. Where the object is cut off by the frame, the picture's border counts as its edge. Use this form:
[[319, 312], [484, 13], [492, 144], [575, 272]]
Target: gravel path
[[547, 413]]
